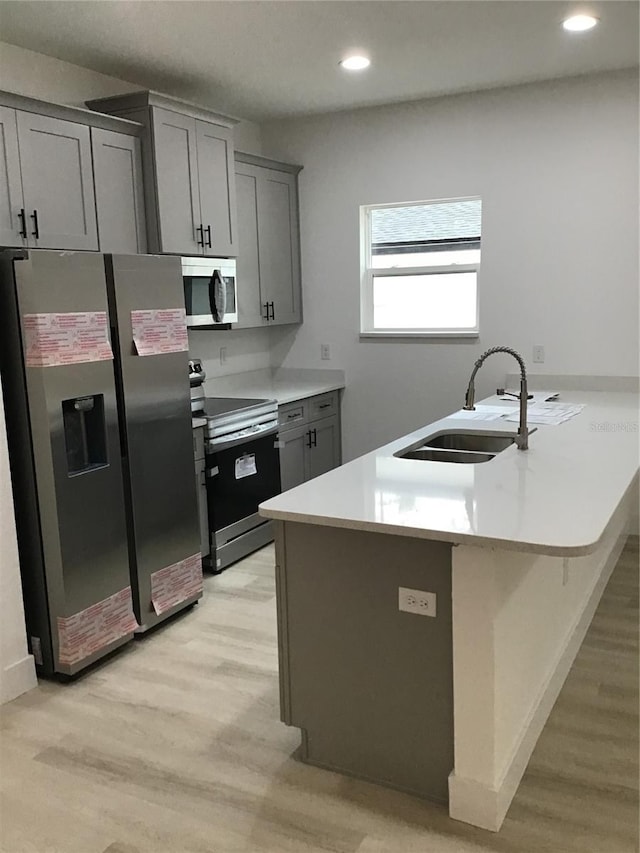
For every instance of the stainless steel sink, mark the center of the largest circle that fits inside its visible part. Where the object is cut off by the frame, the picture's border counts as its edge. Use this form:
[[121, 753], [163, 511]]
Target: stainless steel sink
[[435, 455], [463, 447], [473, 441]]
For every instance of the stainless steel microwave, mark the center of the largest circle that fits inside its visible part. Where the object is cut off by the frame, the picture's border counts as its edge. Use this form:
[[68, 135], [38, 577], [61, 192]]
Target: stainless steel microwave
[[210, 295]]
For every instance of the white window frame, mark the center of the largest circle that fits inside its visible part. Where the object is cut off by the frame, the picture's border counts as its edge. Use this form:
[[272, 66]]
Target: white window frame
[[368, 272]]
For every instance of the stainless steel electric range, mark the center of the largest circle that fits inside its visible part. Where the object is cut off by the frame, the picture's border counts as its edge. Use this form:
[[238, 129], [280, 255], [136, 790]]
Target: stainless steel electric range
[[242, 470]]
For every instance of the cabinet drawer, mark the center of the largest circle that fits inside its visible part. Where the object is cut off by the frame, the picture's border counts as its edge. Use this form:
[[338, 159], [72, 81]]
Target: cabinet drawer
[[293, 414], [198, 443], [322, 406]]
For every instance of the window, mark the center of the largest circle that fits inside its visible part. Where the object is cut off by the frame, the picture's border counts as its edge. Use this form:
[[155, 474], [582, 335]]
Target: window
[[420, 265]]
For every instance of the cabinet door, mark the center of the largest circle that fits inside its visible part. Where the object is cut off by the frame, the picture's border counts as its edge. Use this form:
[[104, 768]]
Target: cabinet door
[[251, 311], [57, 180], [217, 188], [293, 452], [324, 454], [174, 140], [11, 203], [117, 170], [279, 245]]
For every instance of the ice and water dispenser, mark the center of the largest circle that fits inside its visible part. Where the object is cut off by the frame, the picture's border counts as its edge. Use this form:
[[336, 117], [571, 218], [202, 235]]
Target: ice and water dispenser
[[85, 434]]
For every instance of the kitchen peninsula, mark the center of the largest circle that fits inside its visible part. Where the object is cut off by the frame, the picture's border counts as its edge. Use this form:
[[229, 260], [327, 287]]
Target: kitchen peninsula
[[506, 559]]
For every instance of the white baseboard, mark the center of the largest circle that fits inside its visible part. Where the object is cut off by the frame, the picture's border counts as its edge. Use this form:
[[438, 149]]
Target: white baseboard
[[474, 802], [17, 678]]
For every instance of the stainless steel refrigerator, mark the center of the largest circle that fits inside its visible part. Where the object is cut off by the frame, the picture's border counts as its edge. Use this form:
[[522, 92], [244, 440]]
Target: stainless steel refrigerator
[[94, 368]]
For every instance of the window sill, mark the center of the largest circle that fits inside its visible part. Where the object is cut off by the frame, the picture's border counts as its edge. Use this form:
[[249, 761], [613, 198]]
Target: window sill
[[373, 336]]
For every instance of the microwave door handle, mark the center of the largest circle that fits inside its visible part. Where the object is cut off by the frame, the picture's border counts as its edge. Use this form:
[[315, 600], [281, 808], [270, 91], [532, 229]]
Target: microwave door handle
[[215, 276]]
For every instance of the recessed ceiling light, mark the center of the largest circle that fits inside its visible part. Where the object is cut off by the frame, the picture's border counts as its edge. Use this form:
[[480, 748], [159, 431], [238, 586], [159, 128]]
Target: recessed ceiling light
[[355, 63], [579, 23]]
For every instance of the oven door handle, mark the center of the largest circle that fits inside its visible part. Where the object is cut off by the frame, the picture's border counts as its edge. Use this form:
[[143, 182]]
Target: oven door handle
[[215, 445]]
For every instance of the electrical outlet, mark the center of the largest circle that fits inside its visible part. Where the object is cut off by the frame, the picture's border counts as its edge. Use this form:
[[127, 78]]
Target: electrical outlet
[[538, 355], [416, 601], [223, 355], [325, 352]]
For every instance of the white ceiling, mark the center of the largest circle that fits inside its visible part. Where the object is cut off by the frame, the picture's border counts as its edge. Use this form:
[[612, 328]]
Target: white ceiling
[[260, 59]]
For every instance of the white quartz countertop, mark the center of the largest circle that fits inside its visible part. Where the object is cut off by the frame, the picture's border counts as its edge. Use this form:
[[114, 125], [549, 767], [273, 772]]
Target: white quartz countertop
[[555, 498], [284, 385]]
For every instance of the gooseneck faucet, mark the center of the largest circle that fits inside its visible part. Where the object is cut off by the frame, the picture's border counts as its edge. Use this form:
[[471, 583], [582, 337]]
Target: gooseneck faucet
[[522, 437]]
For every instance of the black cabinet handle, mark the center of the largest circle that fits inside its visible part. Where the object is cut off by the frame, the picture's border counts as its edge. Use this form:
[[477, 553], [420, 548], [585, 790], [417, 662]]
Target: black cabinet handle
[[273, 312], [265, 305], [23, 221], [315, 438], [324, 406], [200, 242], [35, 233], [208, 230], [309, 444]]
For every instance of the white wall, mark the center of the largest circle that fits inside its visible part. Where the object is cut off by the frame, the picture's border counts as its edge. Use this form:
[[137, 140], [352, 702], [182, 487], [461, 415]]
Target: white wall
[[17, 669], [245, 349], [556, 165], [38, 76]]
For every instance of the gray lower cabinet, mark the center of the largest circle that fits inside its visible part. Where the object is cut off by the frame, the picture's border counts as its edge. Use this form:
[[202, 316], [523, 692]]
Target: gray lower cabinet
[[268, 265], [323, 452], [293, 456], [117, 171], [188, 173], [201, 485], [310, 442]]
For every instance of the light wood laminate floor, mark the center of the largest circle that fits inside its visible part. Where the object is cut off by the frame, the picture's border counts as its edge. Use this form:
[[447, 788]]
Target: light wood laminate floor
[[175, 746]]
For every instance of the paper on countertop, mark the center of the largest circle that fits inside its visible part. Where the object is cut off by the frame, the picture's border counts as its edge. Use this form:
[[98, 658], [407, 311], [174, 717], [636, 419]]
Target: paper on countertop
[[548, 413], [536, 397], [481, 413]]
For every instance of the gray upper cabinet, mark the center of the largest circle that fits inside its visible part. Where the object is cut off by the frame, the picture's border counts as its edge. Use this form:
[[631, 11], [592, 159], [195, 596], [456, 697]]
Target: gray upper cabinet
[[217, 188], [57, 163], [12, 232], [178, 194], [188, 173], [117, 171], [57, 182], [269, 242], [250, 308]]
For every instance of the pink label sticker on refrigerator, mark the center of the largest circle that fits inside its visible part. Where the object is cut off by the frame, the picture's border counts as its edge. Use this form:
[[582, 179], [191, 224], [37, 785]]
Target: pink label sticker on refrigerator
[[96, 627], [158, 331], [176, 583], [55, 339]]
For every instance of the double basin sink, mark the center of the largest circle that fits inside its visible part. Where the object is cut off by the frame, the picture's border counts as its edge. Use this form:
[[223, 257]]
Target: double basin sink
[[465, 447]]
